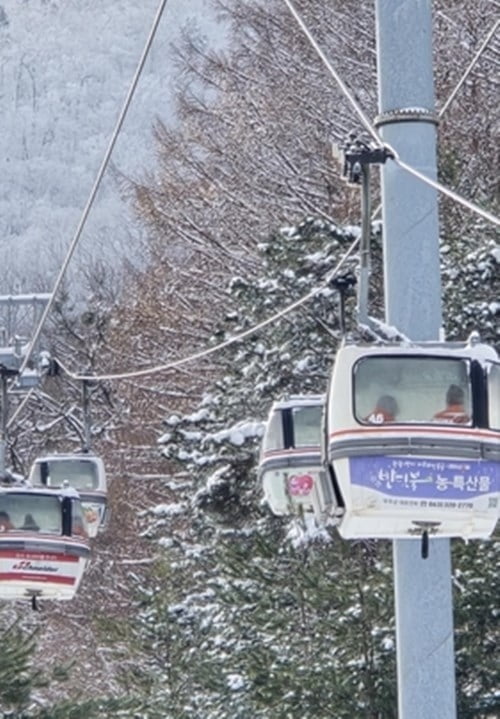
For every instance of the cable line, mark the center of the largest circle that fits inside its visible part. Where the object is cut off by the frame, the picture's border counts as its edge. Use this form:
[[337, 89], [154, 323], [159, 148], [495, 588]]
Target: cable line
[[236, 338], [454, 92], [226, 343], [469, 69], [20, 407], [364, 119], [97, 182], [373, 132], [446, 191]]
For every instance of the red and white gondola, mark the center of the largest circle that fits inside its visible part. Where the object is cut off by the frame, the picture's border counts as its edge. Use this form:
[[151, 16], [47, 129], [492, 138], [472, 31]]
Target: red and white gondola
[[290, 467], [44, 546], [83, 472], [402, 460]]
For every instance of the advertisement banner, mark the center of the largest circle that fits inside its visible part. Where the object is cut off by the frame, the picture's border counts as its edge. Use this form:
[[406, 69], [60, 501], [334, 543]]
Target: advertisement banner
[[426, 478]]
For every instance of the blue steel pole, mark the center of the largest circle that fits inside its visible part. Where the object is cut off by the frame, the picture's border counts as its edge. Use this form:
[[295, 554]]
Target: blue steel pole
[[407, 121]]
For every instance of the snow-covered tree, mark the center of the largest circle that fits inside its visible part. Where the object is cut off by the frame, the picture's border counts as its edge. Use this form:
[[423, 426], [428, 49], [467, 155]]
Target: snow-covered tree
[[252, 151], [476, 591], [21, 681], [273, 626], [270, 627]]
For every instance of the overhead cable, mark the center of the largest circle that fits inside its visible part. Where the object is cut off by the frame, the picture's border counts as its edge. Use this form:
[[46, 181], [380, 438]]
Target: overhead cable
[[97, 182], [20, 407], [371, 129], [231, 340], [469, 69], [454, 92], [446, 191], [364, 119]]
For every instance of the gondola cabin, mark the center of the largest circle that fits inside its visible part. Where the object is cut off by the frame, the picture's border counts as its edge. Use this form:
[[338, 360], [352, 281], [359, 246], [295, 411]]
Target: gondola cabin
[[44, 546], [413, 440], [83, 472], [290, 467]]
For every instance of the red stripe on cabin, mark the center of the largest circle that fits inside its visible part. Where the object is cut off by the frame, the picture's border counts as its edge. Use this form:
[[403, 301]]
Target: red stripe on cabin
[[38, 556], [45, 578], [389, 428], [43, 537], [309, 449]]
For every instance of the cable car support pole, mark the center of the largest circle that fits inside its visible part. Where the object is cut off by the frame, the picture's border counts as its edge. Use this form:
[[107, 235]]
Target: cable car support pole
[[87, 423], [357, 158], [364, 252], [407, 122], [3, 425], [6, 373]]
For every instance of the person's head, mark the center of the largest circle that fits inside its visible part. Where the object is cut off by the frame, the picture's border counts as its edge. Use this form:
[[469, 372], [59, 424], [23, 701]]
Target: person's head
[[387, 403], [29, 523], [5, 523], [454, 395]]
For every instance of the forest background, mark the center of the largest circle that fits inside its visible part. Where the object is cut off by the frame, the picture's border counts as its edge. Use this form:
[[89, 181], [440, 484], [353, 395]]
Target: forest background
[[197, 601]]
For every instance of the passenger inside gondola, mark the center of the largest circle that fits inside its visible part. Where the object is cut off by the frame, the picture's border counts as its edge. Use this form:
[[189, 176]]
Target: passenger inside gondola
[[29, 524], [5, 523], [410, 390], [385, 410], [454, 412], [30, 513]]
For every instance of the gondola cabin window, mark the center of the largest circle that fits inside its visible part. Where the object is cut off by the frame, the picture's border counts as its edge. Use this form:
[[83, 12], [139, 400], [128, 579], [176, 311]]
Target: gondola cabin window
[[294, 427], [307, 426], [32, 513], [80, 474], [409, 389], [494, 396], [274, 433], [78, 524]]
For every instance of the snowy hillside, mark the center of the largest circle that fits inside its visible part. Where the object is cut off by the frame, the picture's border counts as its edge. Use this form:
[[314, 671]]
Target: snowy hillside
[[65, 71]]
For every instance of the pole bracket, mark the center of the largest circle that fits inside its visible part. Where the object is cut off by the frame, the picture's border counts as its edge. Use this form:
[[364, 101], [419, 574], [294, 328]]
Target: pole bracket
[[357, 154]]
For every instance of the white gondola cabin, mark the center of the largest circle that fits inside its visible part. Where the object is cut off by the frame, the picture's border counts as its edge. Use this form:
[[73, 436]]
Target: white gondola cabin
[[83, 472], [413, 440], [44, 546], [290, 467]]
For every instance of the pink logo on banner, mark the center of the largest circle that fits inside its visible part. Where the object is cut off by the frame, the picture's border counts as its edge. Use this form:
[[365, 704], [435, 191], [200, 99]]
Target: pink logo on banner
[[299, 485]]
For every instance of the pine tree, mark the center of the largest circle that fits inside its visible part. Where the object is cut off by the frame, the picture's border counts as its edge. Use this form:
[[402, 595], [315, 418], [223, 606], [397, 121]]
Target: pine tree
[[17, 679], [22, 685], [476, 592]]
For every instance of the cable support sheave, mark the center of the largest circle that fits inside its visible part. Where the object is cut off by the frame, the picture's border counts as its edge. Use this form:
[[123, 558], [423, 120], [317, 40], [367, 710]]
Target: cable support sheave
[[232, 340]]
